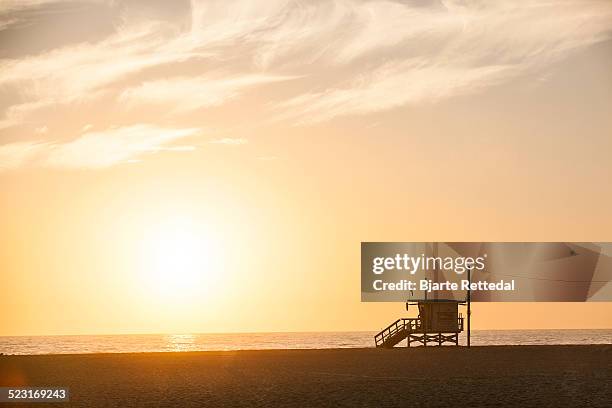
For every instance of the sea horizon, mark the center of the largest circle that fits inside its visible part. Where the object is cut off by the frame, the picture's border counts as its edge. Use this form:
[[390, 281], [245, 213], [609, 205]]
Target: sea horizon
[[187, 342]]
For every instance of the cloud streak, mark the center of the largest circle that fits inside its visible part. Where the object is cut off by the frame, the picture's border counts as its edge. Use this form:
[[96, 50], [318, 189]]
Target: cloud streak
[[343, 57], [458, 48], [94, 150], [390, 86], [187, 94], [228, 141]]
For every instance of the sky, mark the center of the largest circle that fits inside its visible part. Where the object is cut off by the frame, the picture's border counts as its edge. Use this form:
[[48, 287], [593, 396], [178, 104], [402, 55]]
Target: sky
[[256, 144]]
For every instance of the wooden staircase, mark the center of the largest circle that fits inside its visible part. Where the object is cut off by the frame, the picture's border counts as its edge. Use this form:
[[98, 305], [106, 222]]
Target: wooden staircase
[[397, 331]]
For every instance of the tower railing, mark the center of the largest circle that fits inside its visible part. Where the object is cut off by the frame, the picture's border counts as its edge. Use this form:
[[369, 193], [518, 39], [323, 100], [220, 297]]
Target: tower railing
[[399, 326]]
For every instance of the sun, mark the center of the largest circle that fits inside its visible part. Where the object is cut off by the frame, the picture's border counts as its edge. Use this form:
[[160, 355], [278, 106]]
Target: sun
[[178, 259]]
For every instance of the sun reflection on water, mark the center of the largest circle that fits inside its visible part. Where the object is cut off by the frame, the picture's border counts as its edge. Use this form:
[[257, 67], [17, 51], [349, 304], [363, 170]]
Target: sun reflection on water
[[180, 342]]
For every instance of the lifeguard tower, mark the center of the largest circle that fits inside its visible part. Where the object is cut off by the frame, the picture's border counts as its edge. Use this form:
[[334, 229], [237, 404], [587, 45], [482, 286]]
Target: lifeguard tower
[[438, 322]]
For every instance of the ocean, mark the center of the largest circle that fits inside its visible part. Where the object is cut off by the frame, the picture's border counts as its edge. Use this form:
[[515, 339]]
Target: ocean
[[130, 343]]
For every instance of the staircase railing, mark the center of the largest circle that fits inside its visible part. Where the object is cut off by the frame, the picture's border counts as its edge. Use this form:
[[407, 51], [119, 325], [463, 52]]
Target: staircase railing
[[400, 325]]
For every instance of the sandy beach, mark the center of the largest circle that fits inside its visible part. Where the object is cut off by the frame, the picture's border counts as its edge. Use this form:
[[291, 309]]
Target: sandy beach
[[556, 376]]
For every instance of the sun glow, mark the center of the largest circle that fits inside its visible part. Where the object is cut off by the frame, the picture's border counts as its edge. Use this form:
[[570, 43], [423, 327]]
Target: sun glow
[[179, 260]]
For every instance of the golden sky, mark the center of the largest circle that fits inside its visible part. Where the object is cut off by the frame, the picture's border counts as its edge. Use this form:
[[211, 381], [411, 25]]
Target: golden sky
[[213, 166]]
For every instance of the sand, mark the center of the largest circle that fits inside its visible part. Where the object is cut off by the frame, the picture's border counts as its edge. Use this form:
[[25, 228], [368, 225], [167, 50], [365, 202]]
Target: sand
[[524, 376]]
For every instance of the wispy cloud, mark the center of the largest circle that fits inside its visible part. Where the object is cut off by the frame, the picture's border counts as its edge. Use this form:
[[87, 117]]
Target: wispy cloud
[[348, 57], [390, 86], [412, 42], [41, 130], [73, 73], [452, 49], [8, 6], [186, 94], [19, 154], [268, 158], [230, 141], [95, 149], [4, 24]]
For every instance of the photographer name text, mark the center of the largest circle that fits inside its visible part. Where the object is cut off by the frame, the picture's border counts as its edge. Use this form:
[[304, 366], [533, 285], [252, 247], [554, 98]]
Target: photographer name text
[[431, 286]]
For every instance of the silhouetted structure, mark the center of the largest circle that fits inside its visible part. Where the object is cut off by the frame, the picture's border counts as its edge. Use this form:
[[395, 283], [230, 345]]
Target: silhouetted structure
[[438, 322]]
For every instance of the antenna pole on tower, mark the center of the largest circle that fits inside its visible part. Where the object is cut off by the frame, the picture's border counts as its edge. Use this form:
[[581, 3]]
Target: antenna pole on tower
[[469, 309]]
